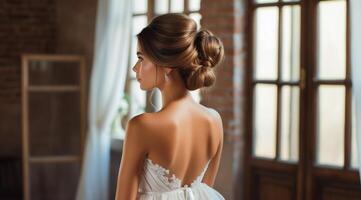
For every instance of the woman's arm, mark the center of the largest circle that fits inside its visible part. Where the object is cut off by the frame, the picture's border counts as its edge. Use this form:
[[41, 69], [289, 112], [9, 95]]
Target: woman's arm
[[134, 152]]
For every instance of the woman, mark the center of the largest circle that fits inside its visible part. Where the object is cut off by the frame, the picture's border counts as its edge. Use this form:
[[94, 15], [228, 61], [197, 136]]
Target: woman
[[173, 153]]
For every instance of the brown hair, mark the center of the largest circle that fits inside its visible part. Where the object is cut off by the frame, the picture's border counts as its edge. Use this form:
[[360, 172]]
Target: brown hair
[[173, 40]]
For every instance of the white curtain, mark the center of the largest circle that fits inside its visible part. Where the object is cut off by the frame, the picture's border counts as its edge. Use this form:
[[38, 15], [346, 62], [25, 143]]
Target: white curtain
[[355, 19], [110, 65]]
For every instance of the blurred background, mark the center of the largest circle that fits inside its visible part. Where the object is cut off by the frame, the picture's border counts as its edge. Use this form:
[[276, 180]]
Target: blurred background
[[284, 93]]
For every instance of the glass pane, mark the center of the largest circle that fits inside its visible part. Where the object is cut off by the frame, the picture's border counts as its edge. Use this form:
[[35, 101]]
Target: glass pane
[[354, 154], [161, 6], [137, 98], [197, 17], [265, 1], [331, 125], [290, 123], [194, 5], [266, 43], [140, 6], [53, 73], [139, 22], [332, 40], [177, 6], [291, 43], [54, 123], [264, 126]]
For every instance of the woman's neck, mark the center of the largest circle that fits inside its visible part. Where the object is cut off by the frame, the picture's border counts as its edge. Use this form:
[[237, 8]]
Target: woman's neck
[[174, 90]]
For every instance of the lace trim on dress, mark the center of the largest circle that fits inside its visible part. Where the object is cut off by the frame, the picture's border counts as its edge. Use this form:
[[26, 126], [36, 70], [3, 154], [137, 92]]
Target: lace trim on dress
[[171, 179]]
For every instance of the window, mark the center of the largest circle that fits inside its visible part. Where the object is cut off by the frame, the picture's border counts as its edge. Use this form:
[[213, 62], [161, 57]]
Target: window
[[277, 81], [333, 122], [301, 140], [137, 96]]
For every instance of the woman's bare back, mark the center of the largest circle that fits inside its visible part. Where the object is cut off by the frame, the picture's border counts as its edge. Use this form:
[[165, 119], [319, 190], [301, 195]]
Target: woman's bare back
[[183, 137]]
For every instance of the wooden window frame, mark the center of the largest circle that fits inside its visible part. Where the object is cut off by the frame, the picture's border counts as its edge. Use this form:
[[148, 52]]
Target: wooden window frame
[[309, 175]]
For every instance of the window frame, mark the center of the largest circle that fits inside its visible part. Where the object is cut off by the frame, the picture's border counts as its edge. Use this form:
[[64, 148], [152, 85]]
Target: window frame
[[309, 178]]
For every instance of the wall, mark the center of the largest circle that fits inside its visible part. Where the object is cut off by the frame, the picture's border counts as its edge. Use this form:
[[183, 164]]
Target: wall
[[226, 19], [24, 28], [36, 26]]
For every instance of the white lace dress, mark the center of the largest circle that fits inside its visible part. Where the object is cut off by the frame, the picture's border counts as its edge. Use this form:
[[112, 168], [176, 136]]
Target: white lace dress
[[158, 184]]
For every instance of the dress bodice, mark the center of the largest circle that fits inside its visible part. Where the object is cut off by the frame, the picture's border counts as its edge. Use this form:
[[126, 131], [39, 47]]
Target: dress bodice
[[157, 181]]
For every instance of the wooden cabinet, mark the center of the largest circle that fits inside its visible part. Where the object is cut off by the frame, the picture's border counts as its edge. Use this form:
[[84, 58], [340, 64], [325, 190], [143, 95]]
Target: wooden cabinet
[[53, 125]]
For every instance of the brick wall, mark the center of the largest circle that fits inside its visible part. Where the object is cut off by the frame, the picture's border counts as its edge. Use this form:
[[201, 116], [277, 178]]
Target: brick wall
[[76, 28], [25, 27], [226, 19]]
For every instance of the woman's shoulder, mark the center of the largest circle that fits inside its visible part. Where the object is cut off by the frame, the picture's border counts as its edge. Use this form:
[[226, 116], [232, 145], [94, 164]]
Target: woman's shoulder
[[216, 117], [149, 124], [151, 120], [214, 112]]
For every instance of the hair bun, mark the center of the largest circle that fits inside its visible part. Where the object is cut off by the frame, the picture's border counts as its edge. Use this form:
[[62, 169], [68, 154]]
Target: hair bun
[[210, 53], [173, 40]]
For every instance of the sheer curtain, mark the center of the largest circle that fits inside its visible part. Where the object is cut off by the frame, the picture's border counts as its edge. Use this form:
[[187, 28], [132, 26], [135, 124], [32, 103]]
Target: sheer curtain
[[113, 26], [355, 18]]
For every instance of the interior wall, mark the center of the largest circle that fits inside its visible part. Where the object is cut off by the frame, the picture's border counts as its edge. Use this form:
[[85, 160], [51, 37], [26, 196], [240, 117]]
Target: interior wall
[[75, 24], [38, 27], [25, 27], [227, 19]]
